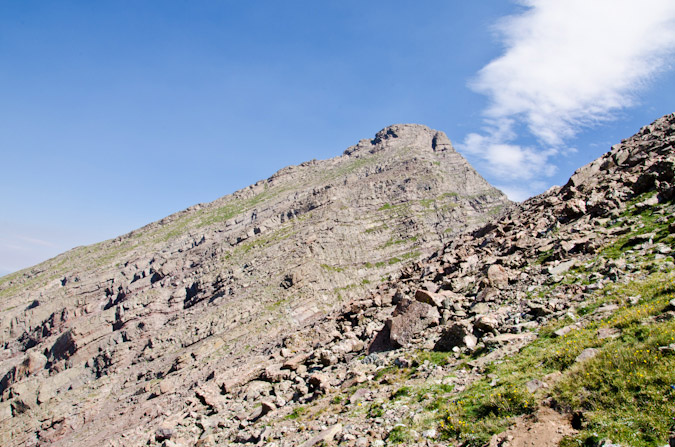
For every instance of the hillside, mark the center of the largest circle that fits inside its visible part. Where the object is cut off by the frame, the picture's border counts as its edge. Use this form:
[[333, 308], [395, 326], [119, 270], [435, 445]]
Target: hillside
[[551, 322], [552, 325], [202, 295]]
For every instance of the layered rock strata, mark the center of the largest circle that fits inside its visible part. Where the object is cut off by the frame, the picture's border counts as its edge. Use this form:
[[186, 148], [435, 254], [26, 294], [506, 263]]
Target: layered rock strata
[[100, 342]]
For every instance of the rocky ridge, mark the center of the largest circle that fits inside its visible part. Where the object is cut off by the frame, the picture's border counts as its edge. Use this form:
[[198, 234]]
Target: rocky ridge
[[504, 326], [550, 271], [481, 299], [130, 328]]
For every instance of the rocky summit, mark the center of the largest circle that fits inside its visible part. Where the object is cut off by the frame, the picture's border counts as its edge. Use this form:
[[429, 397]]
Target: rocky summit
[[389, 296], [106, 343]]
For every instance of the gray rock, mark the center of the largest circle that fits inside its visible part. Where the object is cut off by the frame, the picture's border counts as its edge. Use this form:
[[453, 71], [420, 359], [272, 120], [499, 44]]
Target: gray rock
[[534, 384], [562, 268], [325, 436], [430, 434], [565, 330], [586, 354], [459, 334], [264, 408], [486, 324], [164, 433], [498, 276], [608, 332], [409, 319], [431, 298], [319, 382]]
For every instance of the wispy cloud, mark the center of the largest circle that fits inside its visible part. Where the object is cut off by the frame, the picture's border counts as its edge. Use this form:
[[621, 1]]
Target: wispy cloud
[[567, 65], [18, 251], [36, 241]]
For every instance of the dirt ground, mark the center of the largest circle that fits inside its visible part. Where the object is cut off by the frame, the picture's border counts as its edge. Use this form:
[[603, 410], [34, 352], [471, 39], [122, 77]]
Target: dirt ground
[[545, 428]]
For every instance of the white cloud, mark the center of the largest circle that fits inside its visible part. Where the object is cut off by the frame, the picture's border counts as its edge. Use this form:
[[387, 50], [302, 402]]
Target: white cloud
[[566, 65], [508, 161], [515, 193], [572, 63]]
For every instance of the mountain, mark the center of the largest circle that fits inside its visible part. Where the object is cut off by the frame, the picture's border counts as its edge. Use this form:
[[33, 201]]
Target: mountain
[[551, 322], [204, 294]]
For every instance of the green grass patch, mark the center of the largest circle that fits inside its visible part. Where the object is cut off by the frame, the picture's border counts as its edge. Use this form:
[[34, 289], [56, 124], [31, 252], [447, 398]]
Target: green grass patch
[[401, 392], [646, 221], [427, 203], [399, 435], [332, 268], [544, 257], [626, 392], [297, 412], [394, 241], [434, 357]]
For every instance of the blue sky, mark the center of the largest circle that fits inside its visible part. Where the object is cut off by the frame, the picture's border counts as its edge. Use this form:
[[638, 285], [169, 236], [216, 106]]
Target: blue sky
[[116, 114]]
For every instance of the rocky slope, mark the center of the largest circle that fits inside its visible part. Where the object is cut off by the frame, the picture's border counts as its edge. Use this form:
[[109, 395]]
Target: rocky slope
[[556, 319], [553, 324], [104, 342]]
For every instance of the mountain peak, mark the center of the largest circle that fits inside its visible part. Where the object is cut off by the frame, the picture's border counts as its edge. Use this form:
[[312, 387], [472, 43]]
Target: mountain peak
[[223, 282], [397, 136]]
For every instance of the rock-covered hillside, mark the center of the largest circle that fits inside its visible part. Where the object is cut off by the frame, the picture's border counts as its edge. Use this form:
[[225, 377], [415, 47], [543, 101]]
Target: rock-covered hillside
[[552, 325], [102, 343]]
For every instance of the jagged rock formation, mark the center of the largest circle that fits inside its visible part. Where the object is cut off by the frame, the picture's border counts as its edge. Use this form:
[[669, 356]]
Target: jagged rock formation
[[102, 343]]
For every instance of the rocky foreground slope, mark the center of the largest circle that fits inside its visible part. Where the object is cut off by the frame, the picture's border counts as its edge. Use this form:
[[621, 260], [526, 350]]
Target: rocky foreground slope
[[102, 343], [552, 325]]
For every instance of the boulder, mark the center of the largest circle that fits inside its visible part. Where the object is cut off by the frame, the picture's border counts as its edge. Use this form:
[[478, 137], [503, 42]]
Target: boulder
[[587, 354], [459, 334], [486, 324], [264, 408], [64, 346], [534, 384], [294, 362], [409, 319], [319, 382], [431, 298], [324, 437], [275, 374], [164, 434], [561, 268], [497, 276], [565, 330]]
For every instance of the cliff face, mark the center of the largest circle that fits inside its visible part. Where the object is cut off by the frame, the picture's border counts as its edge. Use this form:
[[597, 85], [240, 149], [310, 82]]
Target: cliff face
[[102, 339]]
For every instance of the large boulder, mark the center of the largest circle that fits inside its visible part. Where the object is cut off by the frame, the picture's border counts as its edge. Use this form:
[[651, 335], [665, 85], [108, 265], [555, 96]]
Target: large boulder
[[409, 319]]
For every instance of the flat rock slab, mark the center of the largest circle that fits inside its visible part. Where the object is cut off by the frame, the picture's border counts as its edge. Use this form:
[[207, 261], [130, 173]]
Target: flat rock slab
[[561, 268], [587, 354], [325, 436]]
